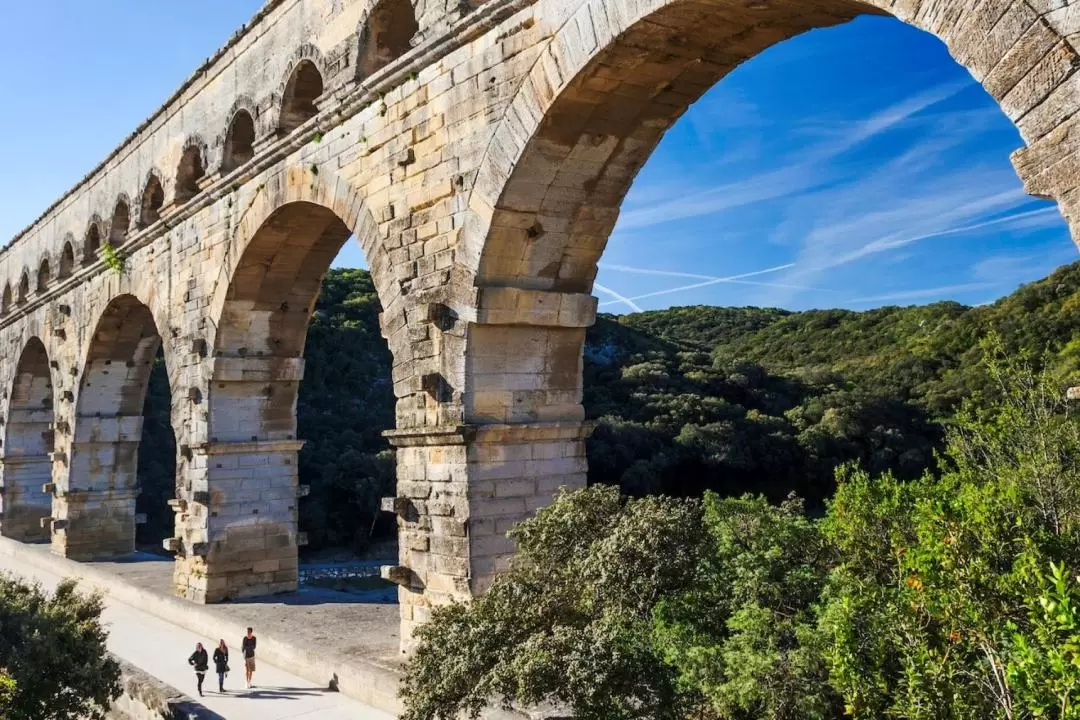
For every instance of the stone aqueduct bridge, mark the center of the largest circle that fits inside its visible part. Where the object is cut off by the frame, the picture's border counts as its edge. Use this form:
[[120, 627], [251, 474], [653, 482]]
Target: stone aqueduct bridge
[[479, 151]]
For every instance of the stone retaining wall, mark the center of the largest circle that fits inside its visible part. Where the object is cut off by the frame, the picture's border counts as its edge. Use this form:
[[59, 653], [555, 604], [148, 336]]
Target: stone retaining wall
[[147, 698]]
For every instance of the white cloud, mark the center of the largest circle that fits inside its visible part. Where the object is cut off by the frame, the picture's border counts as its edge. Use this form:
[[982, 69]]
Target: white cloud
[[1016, 268], [707, 281], [814, 169], [924, 293], [619, 298]]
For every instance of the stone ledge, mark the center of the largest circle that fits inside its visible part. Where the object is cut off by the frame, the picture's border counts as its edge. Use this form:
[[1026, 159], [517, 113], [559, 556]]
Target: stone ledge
[[493, 433], [257, 368], [25, 460], [147, 698], [534, 432], [253, 446], [535, 308], [431, 436]]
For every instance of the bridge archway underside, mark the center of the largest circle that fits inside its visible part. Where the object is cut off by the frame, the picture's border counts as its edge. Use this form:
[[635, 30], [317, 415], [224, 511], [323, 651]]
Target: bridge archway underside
[[481, 166]]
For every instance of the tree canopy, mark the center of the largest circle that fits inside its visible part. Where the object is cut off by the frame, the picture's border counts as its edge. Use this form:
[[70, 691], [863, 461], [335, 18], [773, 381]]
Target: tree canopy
[[949, 596], [53, 662]]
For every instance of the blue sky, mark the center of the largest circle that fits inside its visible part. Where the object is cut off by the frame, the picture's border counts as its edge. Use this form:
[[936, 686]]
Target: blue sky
[[851, 167]]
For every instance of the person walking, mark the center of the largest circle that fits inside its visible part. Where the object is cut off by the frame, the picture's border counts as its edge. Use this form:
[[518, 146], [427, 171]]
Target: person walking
[[248, 647], [198, 660], [221, 664]]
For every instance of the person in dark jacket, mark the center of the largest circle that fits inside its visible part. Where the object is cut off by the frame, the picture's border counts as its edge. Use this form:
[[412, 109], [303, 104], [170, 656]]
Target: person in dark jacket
[[200, 662], [248, 647], [221, 663]]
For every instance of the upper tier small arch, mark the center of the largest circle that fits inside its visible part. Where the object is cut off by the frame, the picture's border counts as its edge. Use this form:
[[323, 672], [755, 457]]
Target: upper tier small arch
[[24, 287], [239, 141], [44, 274], [153, 197], [121, 221], [302, 89], [190, 171], [92, 243], [386, 35], [67, 258]]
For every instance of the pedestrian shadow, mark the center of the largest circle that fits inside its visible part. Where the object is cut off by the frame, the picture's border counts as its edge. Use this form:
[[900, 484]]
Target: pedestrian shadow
[[191, 709], [271, 692]]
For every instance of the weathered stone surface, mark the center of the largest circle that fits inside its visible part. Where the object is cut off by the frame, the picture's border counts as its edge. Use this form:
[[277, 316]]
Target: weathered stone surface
[[147, 698], [479, 152]]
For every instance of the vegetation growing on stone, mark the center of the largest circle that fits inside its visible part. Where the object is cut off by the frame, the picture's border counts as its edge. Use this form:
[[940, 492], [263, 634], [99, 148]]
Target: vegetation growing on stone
[[112, 258]]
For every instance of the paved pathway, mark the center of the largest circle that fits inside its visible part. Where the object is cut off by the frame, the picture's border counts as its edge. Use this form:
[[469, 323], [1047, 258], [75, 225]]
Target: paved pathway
[[161, 649]]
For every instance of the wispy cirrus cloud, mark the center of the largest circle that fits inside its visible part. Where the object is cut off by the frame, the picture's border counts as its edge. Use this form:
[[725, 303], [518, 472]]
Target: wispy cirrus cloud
[[923, 293], [811, 170], [707, 280], [619, 298], [918, 220]]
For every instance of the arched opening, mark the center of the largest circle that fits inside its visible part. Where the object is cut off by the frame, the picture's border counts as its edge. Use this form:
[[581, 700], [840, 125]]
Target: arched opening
[[100, 500], [28, 442], [156, 461], [258, 360], [24, 288], [67, 260], [239, 141], [188, 174], [567, 173], [5, 304], [121, 222], [92, 244], [305, 85], [44, 275], [152, 199], [387, 35], [590, 145]]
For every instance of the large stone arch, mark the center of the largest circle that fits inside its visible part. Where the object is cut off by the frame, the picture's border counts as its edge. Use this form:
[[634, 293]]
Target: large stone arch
[[598, 100], [611, 78], [296, 183], [615, 77], [95, 508], [239, 536], [28, 446]]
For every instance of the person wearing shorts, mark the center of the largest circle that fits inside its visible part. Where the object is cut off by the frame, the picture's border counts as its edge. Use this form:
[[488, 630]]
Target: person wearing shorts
[[248, 648]]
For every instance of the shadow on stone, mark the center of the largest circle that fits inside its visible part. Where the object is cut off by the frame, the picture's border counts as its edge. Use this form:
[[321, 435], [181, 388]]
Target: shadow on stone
[[146, 696], [279, 693], [322, 596]]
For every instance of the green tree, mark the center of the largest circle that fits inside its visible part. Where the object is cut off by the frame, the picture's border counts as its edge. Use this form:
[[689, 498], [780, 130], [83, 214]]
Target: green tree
[[7, 693], [570, 623], [938, 576], [53, 649], [744, 632], [1044, 661], [925, 599]]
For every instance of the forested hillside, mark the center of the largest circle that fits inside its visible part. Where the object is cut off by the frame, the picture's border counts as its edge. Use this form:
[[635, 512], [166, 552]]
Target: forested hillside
[[686, 399]]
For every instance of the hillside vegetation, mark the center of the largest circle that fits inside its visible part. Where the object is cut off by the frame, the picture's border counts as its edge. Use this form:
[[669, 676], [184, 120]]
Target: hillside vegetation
[[686, 400]]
